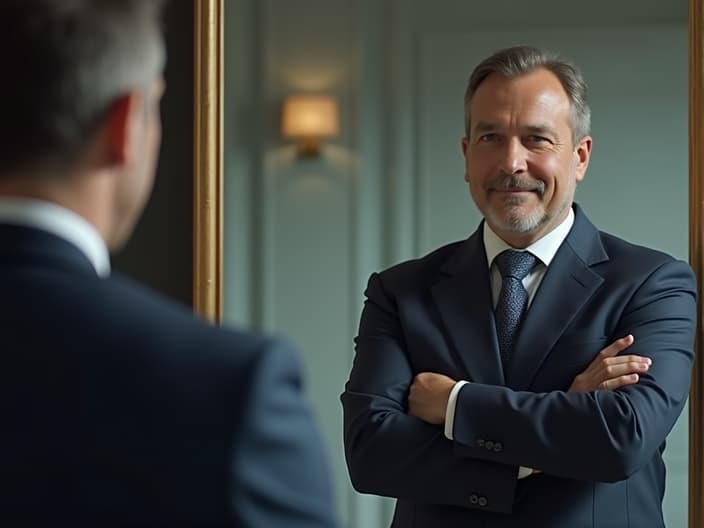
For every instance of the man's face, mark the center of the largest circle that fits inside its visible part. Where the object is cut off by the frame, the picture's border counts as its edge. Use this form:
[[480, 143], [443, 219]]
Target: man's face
[[520, 161], [135, 185]]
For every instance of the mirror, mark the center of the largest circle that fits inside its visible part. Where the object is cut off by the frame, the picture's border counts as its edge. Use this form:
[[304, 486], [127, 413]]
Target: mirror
[[286, 244]]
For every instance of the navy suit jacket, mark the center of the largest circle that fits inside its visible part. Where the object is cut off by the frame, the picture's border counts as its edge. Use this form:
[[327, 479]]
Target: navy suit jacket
[[600, 452], [119, 407]]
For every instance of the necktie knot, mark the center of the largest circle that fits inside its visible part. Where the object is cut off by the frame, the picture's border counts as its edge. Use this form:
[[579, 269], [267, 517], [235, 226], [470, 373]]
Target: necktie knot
[[516, 264]]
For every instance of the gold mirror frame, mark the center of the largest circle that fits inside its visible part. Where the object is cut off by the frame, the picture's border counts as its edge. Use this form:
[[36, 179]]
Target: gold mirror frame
[[208, 114], [208, 200], [696, 256]]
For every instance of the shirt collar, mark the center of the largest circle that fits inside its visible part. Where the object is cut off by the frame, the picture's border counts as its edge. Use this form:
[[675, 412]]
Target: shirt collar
[[544, 248], [61, 222]]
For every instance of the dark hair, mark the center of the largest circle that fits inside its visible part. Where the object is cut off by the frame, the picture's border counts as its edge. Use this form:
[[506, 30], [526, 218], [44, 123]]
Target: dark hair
[[65, 62], [519, 60]]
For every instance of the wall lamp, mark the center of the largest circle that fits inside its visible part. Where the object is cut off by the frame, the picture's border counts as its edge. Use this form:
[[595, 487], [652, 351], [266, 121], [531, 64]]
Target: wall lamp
[[309, 119]]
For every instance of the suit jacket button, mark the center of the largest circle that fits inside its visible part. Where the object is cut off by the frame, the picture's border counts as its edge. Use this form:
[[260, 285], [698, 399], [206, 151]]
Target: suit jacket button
[[473, 498], [482, 502], [480, 442], [489, 445], [498, 447]]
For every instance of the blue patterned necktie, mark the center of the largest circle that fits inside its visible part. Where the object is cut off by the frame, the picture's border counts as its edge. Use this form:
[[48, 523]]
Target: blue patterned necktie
[[513, 299]]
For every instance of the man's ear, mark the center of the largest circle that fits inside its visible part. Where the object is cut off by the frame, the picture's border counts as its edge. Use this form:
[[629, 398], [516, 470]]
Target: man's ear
[[583, 153], [122, 126], [464, 144]]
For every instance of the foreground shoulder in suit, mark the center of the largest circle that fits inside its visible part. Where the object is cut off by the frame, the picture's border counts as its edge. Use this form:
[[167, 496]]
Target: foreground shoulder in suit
[[280, 476], [119, 406]]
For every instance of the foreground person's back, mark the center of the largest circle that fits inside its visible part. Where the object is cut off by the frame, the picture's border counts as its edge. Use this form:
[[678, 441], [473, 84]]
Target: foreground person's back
[[117, 405]]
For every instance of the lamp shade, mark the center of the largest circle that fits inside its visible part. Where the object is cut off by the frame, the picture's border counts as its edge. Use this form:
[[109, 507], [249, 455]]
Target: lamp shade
[[313, 116]]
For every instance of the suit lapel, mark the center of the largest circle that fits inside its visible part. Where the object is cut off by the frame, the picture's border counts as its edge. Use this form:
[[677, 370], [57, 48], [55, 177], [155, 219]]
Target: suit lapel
[[568, 283], [463, 298]]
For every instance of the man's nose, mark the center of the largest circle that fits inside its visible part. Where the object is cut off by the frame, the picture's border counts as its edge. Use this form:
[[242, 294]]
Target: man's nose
[[513, 157]]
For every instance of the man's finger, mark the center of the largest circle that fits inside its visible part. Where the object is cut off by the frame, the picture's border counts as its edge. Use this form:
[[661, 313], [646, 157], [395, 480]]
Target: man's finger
[[621, 381], [620, 369], [617, 346], [626, 359]]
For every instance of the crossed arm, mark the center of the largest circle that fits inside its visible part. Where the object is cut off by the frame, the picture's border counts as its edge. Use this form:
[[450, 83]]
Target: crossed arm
[[430, 391], [622, 420]]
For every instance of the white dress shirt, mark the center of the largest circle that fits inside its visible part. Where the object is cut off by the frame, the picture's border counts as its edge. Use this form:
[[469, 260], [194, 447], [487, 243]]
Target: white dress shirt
[[59, 221], [544, 249]]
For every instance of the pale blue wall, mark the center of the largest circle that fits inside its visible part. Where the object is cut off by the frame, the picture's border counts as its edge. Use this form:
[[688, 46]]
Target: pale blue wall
[[303, 236]]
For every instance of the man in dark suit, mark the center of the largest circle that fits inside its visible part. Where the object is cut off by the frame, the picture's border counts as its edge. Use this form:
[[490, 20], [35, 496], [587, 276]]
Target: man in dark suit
[[491, 384], [118, 406]]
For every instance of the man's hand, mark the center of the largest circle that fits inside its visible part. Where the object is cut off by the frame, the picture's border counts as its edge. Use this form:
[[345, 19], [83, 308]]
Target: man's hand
[[428, 397], [609, 371]]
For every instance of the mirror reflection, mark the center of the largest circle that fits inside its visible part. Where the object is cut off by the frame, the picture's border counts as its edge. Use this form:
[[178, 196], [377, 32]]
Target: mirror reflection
[[303, 233]]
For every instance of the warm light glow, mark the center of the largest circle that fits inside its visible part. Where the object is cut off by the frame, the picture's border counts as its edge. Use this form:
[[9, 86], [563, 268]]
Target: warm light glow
[[310, 116]]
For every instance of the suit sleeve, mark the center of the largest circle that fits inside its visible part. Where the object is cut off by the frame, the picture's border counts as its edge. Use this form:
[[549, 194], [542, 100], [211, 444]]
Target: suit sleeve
[[393, 454], [600, 435], [281, 476]]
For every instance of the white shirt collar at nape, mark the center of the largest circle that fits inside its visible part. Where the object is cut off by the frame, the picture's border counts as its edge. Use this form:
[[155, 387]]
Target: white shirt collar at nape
[[61, 222], [544, 248]]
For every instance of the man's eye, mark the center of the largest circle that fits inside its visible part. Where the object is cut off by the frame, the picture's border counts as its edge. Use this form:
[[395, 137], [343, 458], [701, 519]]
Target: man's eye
[[488, 138], [538, 139]]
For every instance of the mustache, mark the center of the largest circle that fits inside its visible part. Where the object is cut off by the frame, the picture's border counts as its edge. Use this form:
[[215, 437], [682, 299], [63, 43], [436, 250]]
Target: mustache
[[514, 183]]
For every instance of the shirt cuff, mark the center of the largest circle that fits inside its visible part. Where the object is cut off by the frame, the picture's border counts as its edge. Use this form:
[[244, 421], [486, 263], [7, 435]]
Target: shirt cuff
[[524, 472], [450, 411]]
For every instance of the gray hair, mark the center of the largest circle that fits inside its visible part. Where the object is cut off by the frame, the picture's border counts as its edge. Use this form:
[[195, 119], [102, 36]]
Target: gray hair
[[520, 60], [66, 62]]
